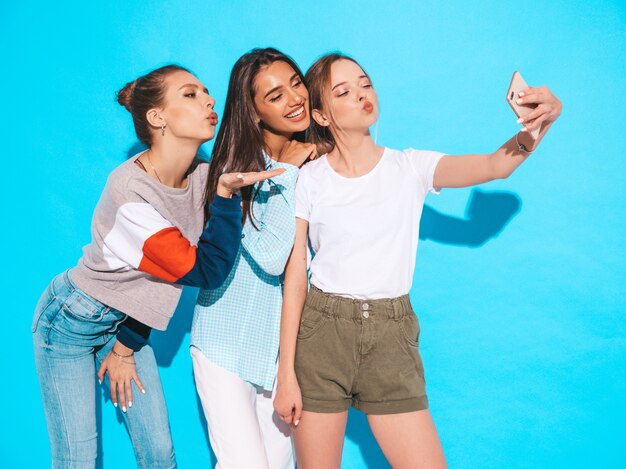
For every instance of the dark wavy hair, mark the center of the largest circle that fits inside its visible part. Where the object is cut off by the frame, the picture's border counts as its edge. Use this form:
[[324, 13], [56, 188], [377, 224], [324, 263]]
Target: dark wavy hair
[[239, 144]]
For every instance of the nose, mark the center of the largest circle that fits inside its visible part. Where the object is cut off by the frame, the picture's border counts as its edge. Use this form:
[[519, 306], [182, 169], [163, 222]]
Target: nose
[[296, 99], [210, 103]]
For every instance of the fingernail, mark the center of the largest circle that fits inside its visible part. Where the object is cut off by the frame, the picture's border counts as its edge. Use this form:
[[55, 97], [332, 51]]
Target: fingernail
[[99, 382], [115, 404], [123, 409], [519, 101], [296, 423], [521, 93], [130, 404], [523, 129], [143, 391], [520, 120]]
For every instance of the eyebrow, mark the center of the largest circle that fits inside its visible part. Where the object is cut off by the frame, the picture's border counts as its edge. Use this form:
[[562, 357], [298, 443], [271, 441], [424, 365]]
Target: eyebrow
[[344, 82], [193, 85], [276, 88]]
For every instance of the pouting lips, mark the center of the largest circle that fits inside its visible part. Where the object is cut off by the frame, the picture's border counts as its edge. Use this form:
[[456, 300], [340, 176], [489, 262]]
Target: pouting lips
[[368, 107], [213, 118]]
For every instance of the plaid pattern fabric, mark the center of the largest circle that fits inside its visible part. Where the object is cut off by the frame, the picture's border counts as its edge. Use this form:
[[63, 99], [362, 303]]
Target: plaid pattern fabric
[[237, 326]]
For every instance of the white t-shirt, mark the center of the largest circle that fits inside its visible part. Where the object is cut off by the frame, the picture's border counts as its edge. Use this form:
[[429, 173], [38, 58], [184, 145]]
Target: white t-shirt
[[364, 231]]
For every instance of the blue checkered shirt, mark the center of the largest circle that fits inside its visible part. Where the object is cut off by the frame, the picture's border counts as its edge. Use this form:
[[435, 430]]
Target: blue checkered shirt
[[237, 326]]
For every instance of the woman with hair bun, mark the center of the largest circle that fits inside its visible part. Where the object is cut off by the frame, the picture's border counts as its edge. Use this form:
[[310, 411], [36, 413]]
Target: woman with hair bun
[[148, 239]]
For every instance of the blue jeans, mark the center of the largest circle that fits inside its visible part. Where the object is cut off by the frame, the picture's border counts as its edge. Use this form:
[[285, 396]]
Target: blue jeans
[[72, 333]]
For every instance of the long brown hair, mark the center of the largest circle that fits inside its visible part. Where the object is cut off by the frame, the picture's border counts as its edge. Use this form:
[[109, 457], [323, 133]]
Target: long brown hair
[[318, 84], [143, 94], [239, 144]]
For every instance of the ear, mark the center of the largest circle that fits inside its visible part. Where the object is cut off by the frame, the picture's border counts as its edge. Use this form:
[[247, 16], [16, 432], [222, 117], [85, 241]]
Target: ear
[[154, 117], [320, 118]]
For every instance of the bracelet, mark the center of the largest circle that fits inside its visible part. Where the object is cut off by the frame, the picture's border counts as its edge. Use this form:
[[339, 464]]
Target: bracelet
[[121, 357], [521, 147]]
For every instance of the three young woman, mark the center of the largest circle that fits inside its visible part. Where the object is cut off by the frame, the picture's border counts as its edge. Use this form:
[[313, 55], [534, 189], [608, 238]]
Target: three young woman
[[236, 327], [148, 239], [359, 207], [353, 339]]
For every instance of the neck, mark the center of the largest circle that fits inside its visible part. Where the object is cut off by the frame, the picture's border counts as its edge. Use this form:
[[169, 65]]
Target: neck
[[274, 142], [355, 153], [172, 160]]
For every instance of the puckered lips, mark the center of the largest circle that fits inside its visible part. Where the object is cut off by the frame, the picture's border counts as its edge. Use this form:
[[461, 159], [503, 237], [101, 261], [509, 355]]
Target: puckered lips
[[368, 107], [212, 118]]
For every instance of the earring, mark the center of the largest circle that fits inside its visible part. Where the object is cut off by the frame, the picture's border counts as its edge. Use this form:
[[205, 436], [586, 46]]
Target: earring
[[162, 129]]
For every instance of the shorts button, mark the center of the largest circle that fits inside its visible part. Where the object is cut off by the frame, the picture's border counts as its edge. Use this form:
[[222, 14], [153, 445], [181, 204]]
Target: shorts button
[[366, 314], [365, 306]]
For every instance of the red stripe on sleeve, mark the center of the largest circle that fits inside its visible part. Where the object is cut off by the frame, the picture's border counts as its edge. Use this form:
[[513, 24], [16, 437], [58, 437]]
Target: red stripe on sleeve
[[168, 255]]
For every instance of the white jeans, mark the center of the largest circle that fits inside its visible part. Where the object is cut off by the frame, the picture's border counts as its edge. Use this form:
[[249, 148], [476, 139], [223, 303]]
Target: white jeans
[[244, 430]]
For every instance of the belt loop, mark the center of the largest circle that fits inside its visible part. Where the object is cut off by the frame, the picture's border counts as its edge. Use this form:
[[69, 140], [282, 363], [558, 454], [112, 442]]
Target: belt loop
[[396, 304], [68, 282]]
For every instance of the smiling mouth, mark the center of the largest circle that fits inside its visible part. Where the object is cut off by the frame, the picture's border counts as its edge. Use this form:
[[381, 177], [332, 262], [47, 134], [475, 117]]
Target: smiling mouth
[[295, 114]]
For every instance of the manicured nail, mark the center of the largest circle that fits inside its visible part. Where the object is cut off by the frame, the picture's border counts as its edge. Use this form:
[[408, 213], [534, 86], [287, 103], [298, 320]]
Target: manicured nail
[[123, 409], [130, 404], [519, 101], [99, 382], [520, 120], [523, 129], [521, 93], [296, 423], [115, 404], [143, 391]]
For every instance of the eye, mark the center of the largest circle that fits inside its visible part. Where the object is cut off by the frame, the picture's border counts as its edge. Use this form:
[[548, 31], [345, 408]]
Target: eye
[[276, 98], [190, 95], [342, 93], [297, 83]]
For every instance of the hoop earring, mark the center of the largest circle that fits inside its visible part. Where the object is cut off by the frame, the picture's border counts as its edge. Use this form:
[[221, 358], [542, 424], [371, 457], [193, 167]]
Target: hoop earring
[[162, 129]]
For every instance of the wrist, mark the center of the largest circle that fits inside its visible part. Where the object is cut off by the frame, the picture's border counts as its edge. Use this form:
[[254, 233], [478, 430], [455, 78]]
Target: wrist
[[121, 350], [224, 191]]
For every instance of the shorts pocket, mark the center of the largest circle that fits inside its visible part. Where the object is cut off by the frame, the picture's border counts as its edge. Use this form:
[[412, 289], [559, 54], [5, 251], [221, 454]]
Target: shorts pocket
[[410, 328], [312, 320]]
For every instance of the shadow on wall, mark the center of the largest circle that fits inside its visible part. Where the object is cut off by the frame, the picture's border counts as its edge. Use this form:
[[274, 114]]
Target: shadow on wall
[[486, 215]]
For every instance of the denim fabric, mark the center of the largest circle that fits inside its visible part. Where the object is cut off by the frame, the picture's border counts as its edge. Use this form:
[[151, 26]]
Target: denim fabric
[[72, 333]]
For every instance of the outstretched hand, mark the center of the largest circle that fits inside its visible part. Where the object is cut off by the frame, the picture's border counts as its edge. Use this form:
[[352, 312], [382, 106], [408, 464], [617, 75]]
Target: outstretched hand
[[230, 182]]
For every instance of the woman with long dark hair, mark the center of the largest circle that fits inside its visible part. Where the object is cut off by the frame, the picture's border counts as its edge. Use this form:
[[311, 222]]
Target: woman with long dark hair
[[148, 239], [235, 332]]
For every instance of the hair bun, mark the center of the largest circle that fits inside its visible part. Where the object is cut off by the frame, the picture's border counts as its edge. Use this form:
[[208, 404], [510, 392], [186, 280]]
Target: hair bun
[[125, 94]]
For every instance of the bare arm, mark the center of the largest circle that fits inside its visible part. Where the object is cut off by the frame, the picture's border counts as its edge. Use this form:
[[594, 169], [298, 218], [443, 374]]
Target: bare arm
[[288, 402], [469, 170]]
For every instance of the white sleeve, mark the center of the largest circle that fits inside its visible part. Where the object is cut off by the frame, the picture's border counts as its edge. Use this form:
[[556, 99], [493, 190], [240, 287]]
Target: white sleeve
[[424, 163], [303, 204]]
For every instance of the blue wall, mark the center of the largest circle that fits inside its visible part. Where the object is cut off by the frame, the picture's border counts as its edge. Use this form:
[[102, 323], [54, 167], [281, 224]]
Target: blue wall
[[519, 284]]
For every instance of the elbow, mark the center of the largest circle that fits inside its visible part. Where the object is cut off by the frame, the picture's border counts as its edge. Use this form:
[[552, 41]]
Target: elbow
[[501, 173]]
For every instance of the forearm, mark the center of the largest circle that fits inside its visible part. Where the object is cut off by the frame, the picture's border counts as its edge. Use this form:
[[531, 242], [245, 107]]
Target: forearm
[[296, 286], [133, 334], [218, 245]]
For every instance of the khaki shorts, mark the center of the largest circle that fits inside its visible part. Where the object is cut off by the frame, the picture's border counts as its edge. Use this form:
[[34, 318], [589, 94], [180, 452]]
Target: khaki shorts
[[359, 353]]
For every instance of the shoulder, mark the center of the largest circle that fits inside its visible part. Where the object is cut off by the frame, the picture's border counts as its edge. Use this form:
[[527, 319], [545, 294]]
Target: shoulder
[[199, 170], [414, 158], [314, 169], [123, 177]]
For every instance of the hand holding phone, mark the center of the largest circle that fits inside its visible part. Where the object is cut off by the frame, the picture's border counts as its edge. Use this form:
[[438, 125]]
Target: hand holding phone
[[521, 110]]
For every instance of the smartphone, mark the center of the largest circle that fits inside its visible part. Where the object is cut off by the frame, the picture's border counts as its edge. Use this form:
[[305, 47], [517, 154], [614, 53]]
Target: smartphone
[[512, 95]]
